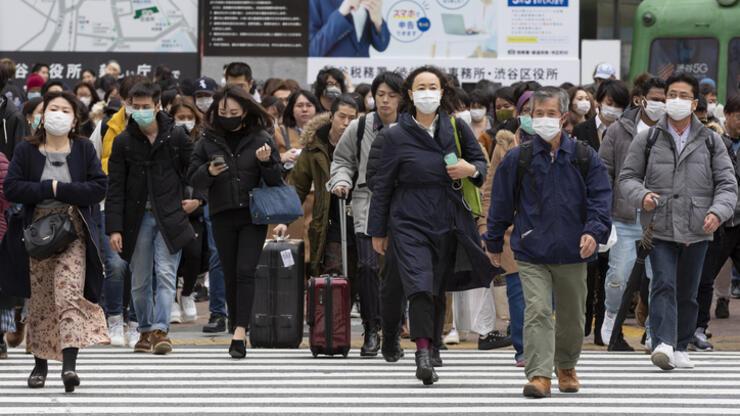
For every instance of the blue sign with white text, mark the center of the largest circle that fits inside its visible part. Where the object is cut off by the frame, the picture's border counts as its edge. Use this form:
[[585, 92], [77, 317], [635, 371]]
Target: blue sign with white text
[[538, 3]]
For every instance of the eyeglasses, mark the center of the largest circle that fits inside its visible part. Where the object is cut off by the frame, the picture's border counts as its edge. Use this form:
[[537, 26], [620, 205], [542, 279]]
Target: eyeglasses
[[683, 95]]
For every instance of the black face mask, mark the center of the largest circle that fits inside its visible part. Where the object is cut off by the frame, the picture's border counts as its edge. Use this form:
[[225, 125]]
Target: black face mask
[[229, 123]]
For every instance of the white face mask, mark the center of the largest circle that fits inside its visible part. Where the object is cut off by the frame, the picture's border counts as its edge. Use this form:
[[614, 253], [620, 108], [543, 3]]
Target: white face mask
[[678, 109], [427, 101], [478, 114], [189, 124], [129, 110], [465, 116], [610, 113], [583, 107], [546, 127], [370, 104], [711, 108], [85, 100], [204, 103], [57, 123], [655, 110]]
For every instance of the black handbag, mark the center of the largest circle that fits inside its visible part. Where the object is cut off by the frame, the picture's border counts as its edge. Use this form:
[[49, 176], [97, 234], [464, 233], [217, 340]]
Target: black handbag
[[49, 235]]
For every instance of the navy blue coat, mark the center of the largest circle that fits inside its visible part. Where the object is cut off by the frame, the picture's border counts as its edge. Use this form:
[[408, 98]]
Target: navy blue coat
[[413, 201], [556, 209], [23, 185], [331, 34]]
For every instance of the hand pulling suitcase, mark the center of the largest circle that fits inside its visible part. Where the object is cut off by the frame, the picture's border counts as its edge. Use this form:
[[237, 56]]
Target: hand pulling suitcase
[[329, 305], [277, 312]]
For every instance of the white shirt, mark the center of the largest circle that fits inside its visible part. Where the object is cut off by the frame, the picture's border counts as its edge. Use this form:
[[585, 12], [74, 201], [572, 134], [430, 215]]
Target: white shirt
[[680, 139], [600, 127], [359, 17], [641, 126], [431, 128]]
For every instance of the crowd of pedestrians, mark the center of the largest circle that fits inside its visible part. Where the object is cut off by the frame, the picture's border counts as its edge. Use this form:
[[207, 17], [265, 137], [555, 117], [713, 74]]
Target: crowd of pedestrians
[[501, 215]]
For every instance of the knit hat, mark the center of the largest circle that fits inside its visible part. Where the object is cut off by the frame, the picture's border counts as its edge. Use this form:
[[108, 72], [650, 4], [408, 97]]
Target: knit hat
[[34, 81]]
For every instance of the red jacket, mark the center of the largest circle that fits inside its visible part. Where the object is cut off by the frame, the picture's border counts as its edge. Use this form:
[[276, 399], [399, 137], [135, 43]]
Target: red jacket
[[4, 204]]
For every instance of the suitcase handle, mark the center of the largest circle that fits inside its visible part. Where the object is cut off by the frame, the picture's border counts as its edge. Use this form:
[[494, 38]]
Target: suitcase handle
[[343, 232]]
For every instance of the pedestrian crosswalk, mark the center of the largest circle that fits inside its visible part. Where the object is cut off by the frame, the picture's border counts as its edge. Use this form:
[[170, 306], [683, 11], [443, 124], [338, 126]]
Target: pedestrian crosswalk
[[206, 381]]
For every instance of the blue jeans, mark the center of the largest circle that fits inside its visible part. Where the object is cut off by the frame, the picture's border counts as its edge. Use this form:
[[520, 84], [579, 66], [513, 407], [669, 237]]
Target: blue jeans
[[621, 261], [216, 284], [516, 313], [151, 254], [673, 289], [115, 275]]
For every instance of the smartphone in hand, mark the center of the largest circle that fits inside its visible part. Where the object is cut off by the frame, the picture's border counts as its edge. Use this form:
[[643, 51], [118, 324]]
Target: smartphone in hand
[[451, 159]]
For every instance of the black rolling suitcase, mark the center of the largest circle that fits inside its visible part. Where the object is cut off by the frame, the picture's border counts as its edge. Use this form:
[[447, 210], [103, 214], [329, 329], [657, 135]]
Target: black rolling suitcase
[[277, 312]]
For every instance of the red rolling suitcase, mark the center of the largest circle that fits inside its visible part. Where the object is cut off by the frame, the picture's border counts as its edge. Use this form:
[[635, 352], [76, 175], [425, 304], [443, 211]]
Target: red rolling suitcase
[[329, 304]]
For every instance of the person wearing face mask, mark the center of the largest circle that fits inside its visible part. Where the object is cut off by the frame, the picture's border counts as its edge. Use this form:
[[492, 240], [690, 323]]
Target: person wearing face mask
[[56, 171], [34, 84], [480, 120], [146, 210], [421, 167], [33, 110], [613, 152], [330, 84], [581, 107], [236, 148], [568, 180], [725, 244], [205, 88], [612, 97], [525, 131], [679, 174]]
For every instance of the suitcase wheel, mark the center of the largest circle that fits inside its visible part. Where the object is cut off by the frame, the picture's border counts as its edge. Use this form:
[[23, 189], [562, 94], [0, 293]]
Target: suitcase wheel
[[315, 352], [345, 352]]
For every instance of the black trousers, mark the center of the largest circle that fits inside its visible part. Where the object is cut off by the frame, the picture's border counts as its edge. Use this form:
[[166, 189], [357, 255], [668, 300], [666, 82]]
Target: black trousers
[[191, 262], [392, 298], [368, 281], [239, 244], [726, 245], [595, 280]]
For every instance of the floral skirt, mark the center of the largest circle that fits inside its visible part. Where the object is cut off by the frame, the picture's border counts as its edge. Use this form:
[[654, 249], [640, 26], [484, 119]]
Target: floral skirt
[[59, 316]]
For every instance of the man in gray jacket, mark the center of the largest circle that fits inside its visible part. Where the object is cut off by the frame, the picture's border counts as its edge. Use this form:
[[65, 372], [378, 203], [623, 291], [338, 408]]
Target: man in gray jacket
[[613, 152], [681, 170], [348, 171]]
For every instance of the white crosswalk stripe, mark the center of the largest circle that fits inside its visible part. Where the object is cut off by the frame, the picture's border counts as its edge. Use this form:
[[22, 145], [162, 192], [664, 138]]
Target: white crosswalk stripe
[[206, 381]]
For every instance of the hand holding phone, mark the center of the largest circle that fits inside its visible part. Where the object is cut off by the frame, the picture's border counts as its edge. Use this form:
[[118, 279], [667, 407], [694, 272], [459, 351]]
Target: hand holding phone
[[450, 159]]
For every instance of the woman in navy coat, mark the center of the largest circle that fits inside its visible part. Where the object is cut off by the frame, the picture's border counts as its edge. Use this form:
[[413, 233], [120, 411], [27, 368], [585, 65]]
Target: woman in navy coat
[[418, 213]]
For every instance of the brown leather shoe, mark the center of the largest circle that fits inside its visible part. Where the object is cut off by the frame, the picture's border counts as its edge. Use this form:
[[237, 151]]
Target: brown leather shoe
[[568, 381], [144, 344], [537, 388], [160, 343]]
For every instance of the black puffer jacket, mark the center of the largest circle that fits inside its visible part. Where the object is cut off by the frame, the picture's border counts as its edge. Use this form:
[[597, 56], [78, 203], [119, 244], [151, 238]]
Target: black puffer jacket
[[230, 190], [139, 170]]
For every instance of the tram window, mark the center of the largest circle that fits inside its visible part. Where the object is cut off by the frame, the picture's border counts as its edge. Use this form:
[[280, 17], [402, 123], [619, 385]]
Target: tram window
[[733, 70], [696, 56]]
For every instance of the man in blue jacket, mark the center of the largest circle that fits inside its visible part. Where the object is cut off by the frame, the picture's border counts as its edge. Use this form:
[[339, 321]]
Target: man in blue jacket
[[346, 28], [556, 193]]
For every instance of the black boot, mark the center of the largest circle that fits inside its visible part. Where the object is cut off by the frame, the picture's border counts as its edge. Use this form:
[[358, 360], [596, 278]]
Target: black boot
[[69, 369], [436, 357], [391, 349], [238, 348], [424, 369], [371, 345], [620, 344], [37, 379]]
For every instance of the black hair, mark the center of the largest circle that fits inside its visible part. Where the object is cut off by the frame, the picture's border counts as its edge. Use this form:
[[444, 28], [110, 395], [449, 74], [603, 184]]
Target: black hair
[[705, 89], [37, 67], [615, 89], [446, 104], [460, 98], [320, 85], [344, 99], [168, 96], [90, 71], [652, 82], [523, 87], [39, 136], [188, 86], [702, 104], [507, 94], [487, 87], [288, 117], [31, 105], [106, 83], [128, 83], [238, 69], [480, 97], [93, 94], [567, 85], [359, 100], [53, 82], [363, 89], [270, 101], [683, 77], [146, 89], [389, 78], [733, 105], [255, 118]]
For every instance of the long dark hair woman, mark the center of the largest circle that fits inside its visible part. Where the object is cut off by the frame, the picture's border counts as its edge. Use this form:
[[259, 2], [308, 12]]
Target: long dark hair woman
[[233, 157], [438, 249], [56, 171]]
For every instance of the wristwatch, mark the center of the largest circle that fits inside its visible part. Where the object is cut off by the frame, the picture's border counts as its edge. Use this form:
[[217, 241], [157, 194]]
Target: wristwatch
[[476, 174]]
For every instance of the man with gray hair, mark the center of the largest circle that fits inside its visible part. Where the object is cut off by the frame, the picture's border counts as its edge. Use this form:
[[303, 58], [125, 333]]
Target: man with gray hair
[[556, 193]]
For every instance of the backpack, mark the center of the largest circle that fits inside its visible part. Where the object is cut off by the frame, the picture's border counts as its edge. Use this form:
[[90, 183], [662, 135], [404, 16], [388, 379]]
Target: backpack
[[582, 162], [653, 135]]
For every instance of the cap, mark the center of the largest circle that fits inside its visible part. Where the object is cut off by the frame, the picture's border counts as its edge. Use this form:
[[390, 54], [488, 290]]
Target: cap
[[34, 81], [604, 71], [708, 81], [205, 84]]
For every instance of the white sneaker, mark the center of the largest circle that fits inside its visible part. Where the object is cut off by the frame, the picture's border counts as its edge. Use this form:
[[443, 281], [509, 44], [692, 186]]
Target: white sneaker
[[663, 357], [452, 337], [648, 344], [115, 331], [175, 313], [355, 312], [132, 334], [682, 360], [607, 327], [189, 311]]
